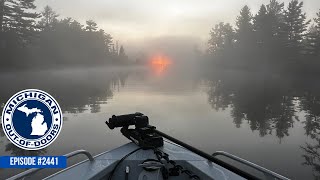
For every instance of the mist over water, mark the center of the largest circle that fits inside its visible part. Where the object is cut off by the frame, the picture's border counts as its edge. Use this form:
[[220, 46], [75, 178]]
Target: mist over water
[[269, 120]]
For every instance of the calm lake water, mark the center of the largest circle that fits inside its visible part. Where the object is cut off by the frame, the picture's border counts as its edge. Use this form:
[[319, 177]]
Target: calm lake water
[[270, 120]]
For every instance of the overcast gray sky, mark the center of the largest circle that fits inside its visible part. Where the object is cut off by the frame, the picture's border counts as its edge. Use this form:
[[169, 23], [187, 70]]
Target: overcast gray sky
[[136, 22]]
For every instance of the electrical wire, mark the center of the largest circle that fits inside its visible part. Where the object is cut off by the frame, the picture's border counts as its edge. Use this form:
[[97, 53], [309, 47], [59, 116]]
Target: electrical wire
[[120, 161]]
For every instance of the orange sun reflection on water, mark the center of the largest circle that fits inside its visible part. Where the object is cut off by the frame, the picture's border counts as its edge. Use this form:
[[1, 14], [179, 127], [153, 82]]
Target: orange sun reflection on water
[[160, 64]]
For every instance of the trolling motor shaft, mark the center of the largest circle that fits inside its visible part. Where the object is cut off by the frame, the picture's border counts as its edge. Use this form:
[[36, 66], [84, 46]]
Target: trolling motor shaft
[[143, 135]]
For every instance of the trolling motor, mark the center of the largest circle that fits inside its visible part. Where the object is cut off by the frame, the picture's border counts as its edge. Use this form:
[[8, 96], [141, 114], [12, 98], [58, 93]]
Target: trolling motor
[[143, 134], [147, 137]]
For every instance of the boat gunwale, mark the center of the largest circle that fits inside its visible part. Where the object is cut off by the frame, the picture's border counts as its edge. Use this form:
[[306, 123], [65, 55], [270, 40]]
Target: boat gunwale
[[81, 162]]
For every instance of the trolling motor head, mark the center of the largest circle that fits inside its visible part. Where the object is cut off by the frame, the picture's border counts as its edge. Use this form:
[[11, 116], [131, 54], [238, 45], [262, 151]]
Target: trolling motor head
[[143, 135], [137, 119]]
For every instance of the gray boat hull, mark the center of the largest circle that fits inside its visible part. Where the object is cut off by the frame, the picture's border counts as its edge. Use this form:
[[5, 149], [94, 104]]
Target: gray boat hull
[[104, 163]]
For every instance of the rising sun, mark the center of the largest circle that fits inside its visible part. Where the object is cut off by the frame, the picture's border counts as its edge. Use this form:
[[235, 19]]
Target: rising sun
[[160, 63]]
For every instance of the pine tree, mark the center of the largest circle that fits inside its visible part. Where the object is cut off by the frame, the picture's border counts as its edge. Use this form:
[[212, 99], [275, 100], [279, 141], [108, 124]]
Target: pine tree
[[49, 17], [1, 14], [107, 39], [122, 55], [76, 26], [296, 25], [122, 52], [221, 38], [312, 43], [6, 13], [91, 26], [276, 17], [18, 16], [317, 21], [263, 37], [277, 31], [260, 26], [24, 19], [313, 37], [244, 27]]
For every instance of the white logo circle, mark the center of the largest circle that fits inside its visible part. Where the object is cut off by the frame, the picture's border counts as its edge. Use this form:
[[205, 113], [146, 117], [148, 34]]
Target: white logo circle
[[32, 119]]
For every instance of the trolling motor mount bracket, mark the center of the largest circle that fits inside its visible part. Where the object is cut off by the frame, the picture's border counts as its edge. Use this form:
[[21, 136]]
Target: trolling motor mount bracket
[[143, 134], [143, 137]]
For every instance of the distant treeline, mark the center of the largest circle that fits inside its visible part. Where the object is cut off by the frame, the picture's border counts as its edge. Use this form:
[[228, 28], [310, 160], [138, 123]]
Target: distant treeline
[[278, 38], [29, 39]]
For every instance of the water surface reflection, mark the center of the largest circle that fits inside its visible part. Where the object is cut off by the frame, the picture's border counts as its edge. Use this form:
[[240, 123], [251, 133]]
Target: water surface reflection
[[272, 105], [271, 120]]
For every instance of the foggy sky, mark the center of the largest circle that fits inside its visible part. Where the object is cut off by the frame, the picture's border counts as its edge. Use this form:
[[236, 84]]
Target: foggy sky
[[136, 23]]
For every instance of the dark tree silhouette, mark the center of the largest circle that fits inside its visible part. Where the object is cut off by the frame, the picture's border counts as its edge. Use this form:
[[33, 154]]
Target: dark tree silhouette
[[313, 37], [222, 36], [6, 13], [260, 26], [50, 42], [107, 38], [49, 18], [312, 157], [274, 40], [244, 27], [276, 17], [258, 100], [296, 25], [121, 51], [2, 13], [310, 103], [18, 31], [245, 41], [123, 58], [22, 19], [18, 16], [277, 28], [91, 26]]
